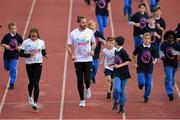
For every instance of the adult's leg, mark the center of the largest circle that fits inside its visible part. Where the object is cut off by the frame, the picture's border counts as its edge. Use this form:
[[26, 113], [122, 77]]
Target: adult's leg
[[79, 75], [87, 68]]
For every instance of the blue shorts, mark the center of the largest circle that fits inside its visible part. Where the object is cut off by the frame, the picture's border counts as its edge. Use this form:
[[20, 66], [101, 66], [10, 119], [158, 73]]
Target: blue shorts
[[108, 72]]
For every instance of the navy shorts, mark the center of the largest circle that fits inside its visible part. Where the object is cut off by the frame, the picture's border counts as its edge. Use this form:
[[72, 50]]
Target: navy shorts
[[108, 72]]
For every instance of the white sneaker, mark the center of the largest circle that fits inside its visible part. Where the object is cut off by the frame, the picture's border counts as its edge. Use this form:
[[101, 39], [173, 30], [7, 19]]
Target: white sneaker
[[88, 93], [35, 107], [82, 103], [30, 100]]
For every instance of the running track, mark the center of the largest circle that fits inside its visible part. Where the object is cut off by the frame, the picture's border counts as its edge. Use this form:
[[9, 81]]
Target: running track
[[58, 102]]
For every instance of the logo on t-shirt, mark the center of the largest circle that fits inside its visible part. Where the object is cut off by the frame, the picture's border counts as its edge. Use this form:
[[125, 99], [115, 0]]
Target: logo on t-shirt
[[101, 3], [146, 56], [118, 60], [142, 22], [13, 44], [169, 53]]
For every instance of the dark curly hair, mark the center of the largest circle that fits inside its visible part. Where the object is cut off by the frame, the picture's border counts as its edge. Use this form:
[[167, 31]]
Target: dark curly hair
[[168, 33]]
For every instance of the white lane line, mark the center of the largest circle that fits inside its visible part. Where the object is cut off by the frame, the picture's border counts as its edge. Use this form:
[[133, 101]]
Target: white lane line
[[25, 30], [4, 96], [29, 18], [177, 90], [65, 64]]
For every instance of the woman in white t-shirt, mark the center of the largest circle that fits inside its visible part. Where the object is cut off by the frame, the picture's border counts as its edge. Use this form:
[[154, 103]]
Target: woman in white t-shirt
[[108, 59], [33, 49]]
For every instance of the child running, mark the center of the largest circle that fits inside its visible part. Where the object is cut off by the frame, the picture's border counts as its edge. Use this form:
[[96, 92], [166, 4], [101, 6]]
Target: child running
[[108, 58], [11, 42], [33, 49], [99, 41], [120, 74], [144, 58], [169, 54]]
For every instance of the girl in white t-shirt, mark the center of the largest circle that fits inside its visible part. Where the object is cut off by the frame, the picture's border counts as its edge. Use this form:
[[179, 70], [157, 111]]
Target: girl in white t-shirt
[[33, 49], [108, 58]]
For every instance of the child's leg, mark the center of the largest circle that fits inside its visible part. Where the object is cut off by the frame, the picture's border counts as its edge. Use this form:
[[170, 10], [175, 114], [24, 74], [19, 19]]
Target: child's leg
[[169, 80], [148, 84], [95, 65], [7, 65], [105, 21], [117, 89], [29, 70], [123, 92], [100, 24], [173, 75], [109, 80], [141, 79], [13, 70]]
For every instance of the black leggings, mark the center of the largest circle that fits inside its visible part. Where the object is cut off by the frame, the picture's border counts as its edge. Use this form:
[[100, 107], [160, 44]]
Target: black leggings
[[34, 75], [83, 73]]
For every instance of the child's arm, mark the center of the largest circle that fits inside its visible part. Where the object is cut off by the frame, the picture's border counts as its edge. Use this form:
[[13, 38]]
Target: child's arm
[[5, 46], [157, 35], [102, 59], [121, 65], [102, 41], [134, 60]]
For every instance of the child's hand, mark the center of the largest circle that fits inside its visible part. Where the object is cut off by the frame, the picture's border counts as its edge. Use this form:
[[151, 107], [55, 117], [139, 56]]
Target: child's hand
[[91, 53], [111, 65], [73, 57], [101, 62], [154, 62], [7, 47], [117, 65], [137, 25], [158, 36], [135, 65]]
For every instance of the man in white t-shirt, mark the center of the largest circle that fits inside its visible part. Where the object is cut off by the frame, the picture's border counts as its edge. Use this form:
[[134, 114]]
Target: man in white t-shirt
[[83, 41]]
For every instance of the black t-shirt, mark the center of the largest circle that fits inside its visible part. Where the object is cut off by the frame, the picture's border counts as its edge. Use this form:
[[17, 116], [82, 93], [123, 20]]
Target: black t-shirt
[[102, 7], [139, 18], [12, 41], [170, 59], [162, 23], [145, 57], [151, 32], [122, 72], [98, 44]]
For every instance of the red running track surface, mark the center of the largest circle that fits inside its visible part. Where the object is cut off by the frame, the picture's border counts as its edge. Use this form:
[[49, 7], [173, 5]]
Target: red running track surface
[[51, 18]]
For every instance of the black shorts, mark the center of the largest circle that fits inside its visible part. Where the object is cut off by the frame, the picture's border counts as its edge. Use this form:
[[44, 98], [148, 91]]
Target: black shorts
[[108, 72]]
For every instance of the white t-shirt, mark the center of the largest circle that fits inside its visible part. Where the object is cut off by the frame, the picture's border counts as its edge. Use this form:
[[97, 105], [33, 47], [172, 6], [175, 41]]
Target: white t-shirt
[[109, 57], [82, 44], [36, 46]]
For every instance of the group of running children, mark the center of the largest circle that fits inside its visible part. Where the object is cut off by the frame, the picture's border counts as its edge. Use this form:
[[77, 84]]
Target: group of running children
[[148, 50], [150, 46]]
